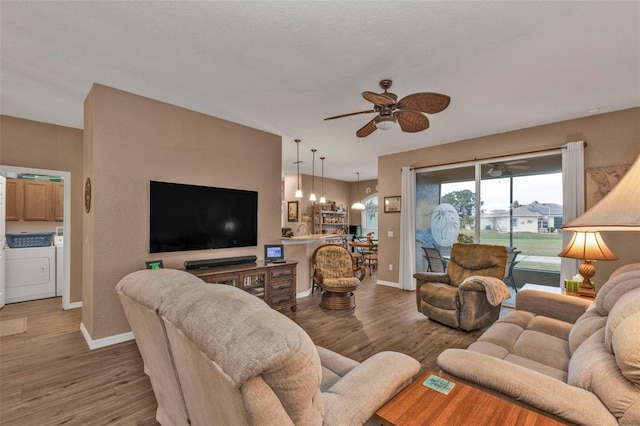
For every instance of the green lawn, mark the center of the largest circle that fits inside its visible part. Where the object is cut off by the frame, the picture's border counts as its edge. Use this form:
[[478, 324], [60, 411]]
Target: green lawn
[[528, 243]]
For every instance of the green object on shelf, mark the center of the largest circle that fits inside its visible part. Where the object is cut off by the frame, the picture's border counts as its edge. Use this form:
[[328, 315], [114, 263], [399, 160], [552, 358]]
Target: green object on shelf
[[30, 176]]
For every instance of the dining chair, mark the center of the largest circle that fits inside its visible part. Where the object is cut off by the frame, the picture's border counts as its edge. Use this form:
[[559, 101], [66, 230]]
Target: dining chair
[[512, 254], [435, 262], [371, 256]]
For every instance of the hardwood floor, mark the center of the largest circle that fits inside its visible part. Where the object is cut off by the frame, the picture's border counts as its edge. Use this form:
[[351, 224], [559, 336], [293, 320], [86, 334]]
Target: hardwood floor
[[48, 375]]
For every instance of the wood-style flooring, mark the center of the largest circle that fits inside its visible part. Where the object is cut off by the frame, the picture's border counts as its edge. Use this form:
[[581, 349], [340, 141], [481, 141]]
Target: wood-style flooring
[[48, 375]]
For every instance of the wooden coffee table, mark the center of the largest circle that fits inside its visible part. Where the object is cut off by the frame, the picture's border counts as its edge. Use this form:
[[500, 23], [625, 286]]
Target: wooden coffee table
[[464, 405]]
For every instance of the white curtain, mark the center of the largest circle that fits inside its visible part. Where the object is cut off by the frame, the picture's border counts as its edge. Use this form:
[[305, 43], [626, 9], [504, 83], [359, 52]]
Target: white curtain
[[572, 199], [407, 265]]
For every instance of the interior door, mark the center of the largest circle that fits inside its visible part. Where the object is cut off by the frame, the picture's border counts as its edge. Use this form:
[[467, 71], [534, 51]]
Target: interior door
[[3, 187]]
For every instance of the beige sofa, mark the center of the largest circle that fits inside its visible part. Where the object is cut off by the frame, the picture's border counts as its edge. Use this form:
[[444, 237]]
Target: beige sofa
[[217, 355], [564, 355]]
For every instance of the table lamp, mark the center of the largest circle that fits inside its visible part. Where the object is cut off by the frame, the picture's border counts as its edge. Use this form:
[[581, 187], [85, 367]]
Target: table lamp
[[617, 211], [587, 246]]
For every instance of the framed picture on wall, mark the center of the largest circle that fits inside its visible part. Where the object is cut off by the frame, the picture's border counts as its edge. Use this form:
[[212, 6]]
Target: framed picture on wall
[[292, 211], [392, 204]]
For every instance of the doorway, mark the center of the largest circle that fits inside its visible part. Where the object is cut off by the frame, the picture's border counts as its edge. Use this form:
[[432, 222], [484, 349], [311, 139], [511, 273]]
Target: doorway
[[66, 177]]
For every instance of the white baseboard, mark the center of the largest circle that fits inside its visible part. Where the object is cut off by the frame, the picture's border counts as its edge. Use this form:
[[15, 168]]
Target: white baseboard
[[72, 305], [388, 283], [105, 341], [303, 294]]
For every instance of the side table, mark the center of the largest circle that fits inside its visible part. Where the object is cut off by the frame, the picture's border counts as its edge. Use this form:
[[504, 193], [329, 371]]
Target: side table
[[464, 405], [556, 290]]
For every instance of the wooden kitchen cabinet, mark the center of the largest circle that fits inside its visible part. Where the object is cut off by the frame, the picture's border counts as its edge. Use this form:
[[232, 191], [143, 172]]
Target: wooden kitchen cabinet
[[34, 200], [14, 200], [57, 196], [37, 200], [275, 283]]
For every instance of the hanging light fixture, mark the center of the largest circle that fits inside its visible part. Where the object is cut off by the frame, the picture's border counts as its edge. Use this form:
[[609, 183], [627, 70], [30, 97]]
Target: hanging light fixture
[[358, 205], [322, 199], [312, 197], [298, 191]]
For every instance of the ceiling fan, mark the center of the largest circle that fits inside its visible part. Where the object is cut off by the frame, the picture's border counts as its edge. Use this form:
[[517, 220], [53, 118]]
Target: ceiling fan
[[408, 112], [503, 168]]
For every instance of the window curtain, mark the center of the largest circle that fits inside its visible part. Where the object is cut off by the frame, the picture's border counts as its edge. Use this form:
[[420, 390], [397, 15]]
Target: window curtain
[[407, 265], [572, 199]]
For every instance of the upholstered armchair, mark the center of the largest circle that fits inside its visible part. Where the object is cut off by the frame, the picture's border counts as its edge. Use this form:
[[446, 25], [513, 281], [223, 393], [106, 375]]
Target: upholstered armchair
[[336, 274], [468, 295]]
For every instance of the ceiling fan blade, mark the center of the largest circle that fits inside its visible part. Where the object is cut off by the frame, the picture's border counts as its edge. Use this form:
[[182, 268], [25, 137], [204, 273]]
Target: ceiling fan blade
[[511, 163], [518, 167], [366, 130], [412, 121], [379, 98], [428, 102], [350, 114]]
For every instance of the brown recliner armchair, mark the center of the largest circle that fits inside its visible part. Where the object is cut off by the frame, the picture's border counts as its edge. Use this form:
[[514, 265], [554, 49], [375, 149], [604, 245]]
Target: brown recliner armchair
[[462, 297]]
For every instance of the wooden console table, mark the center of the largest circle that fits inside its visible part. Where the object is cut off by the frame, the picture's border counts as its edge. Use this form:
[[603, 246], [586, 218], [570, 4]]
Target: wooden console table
[[275, 283], [464, 405]]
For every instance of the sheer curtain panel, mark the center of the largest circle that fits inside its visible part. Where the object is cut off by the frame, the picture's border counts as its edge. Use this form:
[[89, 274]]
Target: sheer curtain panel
[[407, 265], [572, 199]]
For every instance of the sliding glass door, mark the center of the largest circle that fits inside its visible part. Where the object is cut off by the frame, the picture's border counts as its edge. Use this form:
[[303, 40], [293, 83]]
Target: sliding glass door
[[514, 202]]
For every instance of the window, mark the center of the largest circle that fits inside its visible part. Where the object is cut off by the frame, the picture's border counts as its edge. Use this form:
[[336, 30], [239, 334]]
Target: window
[[513, 202], [369, 219]]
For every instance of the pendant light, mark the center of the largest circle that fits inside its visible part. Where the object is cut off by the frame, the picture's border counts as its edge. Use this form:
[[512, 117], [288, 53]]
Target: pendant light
[[358, 205], [322, 199], [312, 197], [298, 192]]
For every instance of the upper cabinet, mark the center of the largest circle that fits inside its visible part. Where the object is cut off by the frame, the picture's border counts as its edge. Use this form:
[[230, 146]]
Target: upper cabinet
[[57, 196], [14, 200], [34, 200]]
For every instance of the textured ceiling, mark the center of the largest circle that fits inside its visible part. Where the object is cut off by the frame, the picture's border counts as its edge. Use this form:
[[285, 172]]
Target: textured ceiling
[[284, 66]]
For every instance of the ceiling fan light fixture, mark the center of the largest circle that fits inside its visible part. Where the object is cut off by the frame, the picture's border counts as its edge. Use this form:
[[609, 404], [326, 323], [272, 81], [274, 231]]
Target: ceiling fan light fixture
[[385, 122]]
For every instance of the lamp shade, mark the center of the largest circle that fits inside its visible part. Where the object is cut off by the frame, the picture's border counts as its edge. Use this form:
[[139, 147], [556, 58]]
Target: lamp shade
[[619, 210], [587, 245]]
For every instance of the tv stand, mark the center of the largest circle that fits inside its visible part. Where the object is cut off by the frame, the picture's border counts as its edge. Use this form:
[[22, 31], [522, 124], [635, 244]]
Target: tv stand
[[275, 283]]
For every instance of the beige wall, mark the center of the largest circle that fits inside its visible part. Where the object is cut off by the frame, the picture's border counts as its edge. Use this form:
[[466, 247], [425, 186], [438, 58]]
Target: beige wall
[[131, 140], [334, 190], [612, 139], [31, 144]]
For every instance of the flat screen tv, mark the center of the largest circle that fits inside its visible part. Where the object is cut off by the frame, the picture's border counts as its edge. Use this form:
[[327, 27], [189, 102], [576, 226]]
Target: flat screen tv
[[191, 217]]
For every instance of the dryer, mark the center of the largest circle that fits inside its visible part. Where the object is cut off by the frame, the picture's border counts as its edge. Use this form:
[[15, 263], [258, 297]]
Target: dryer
[[30, 273]]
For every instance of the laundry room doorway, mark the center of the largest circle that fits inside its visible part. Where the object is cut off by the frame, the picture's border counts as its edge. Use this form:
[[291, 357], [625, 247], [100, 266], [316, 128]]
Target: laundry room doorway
[[63, 242]]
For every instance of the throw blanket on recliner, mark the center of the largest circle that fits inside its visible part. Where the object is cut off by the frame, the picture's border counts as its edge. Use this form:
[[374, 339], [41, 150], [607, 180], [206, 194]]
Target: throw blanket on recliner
[[495, 289]]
